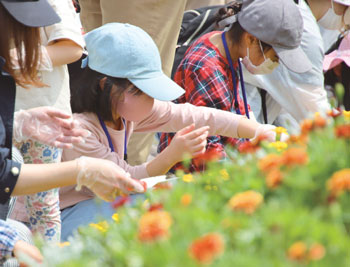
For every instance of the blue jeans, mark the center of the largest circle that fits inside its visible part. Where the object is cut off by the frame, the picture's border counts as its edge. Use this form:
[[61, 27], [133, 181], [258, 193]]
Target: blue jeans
[[86, 212]]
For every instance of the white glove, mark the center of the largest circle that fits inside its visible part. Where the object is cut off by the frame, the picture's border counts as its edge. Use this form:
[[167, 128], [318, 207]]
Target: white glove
[[45, 60], [105, 178], [49, 126], [268, 132]]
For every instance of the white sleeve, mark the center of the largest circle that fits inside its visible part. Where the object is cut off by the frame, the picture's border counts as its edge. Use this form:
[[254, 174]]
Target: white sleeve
[[298, 94], [69, 26]]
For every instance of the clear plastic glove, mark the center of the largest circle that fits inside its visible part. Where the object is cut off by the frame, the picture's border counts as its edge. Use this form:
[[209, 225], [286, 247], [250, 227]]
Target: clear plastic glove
[[45, 60], [267, 131], [189, 140], [49, 126], [105, 178]]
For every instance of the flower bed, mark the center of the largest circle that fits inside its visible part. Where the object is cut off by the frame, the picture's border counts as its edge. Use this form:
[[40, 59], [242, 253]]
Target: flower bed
[[270, 205]]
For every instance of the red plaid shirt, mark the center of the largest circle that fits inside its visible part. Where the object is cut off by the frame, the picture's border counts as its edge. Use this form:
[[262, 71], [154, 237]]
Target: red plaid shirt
[[206, 77]]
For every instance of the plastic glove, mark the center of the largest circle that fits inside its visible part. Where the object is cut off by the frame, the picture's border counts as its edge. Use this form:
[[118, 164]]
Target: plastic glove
[[105, 178], [267, 131], [45, 60], [49, 126]]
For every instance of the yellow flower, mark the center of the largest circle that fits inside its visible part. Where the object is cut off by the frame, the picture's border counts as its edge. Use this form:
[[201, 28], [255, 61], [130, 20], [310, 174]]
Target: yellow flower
[[101, 226], [64, 244], [188, 178], [207, 187], [280, 130], [346, 115], [224, 174], [278, 145], [115, 217]]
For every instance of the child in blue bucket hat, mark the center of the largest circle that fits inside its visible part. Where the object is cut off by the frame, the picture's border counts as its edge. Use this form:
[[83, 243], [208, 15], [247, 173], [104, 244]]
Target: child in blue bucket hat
[[123, 90]]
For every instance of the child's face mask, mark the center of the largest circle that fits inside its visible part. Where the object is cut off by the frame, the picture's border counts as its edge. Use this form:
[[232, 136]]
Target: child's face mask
[[134, 107], [331, 20]]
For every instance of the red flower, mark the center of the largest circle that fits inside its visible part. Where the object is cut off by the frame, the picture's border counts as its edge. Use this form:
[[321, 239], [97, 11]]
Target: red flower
[[343, 131], [248, 147], [154, 207], [120, 201], [206, 248]]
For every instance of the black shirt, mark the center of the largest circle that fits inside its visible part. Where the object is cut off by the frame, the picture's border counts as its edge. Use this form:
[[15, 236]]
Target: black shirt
[[9, 170]]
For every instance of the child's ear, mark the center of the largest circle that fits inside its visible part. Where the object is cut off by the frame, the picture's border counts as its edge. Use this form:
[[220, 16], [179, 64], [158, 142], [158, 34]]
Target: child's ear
[[102, 83]]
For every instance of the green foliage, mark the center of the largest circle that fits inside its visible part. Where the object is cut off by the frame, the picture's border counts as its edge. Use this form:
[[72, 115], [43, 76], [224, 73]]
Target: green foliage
[[298, 209]]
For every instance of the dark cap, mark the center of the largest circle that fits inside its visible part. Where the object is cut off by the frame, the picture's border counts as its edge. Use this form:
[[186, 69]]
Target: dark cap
[[279, 24], [32, 13]]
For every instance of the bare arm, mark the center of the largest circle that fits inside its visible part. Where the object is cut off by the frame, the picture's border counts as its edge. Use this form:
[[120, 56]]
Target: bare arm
[[64, 51], [37, 178]]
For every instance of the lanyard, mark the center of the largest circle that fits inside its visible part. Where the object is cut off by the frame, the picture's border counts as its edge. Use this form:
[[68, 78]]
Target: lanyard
[[235, 93], [110, 143]]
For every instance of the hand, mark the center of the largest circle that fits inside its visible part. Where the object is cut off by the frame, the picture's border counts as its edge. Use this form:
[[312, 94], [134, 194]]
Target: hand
[[49, 126], [105, 178], [189, 140], [267, 131], [23, 248]]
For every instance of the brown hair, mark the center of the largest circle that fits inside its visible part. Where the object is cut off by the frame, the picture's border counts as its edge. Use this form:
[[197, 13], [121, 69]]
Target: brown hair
[[27, 41]]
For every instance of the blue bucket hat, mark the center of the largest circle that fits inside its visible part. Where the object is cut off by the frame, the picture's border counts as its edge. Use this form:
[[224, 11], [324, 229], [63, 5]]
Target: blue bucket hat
[[126, 51]]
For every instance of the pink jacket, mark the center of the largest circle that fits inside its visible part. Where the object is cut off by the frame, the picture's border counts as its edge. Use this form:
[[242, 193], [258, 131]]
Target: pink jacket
[[165, 117]]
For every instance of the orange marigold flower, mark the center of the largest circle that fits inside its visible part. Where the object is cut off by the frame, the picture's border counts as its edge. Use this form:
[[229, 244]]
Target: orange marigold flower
[[247, 201], [154, 225], [317, 252], [297, 251], [274, 178], [300, 140], [269, 162], [306, 126], [295, 156], [186, 199], [319, 121], [339, 182], [206, 248], [343, 131]]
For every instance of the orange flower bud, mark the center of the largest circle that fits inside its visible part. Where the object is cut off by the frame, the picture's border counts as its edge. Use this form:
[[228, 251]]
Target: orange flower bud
[[269, 162], [274, 178], [247, 201], [186, 199], [297, 251], [317, 252]]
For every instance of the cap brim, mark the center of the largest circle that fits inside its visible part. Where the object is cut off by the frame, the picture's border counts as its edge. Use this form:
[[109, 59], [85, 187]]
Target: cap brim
[[160, 87], [343, 2], [332, 60], [294, 59], [32, 13]]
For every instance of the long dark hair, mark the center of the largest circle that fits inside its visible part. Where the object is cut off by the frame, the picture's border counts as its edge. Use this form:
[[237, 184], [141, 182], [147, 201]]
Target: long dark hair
[[87, 95], [15, 34], [236, 31]]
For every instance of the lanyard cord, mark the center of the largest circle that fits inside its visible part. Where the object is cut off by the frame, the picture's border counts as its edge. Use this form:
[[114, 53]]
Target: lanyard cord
[[110, 139], [229, 59]]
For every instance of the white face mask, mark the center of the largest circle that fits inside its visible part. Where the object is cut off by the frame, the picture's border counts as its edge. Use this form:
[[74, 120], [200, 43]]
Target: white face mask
[[266, 67], [331, 20]]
